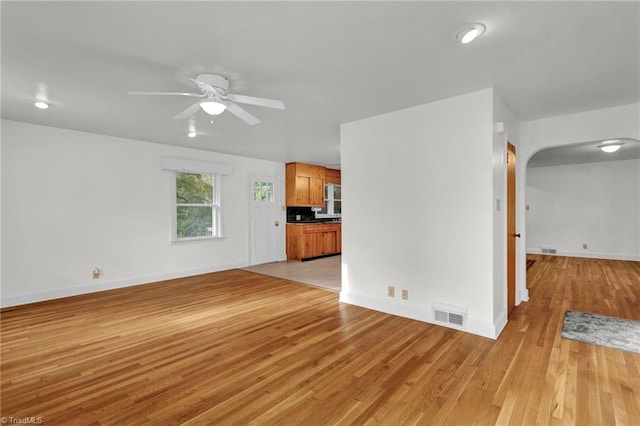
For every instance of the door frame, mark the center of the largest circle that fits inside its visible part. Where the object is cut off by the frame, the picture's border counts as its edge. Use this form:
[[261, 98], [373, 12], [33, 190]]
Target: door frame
[[512, 234], [278, 199]]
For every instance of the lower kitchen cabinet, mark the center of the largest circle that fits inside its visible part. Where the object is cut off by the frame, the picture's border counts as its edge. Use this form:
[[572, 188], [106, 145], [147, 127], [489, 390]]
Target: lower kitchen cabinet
[[309, 241]]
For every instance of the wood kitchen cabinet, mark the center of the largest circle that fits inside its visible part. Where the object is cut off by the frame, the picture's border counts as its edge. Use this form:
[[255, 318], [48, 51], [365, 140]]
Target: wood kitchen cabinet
[[309, 241], [332, 176], [304, 185]]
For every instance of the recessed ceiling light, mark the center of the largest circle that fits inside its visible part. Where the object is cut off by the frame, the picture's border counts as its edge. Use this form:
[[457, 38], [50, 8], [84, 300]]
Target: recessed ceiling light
[[611, 146], [192, 132], [469, 32], [212, 107], [40, 104]]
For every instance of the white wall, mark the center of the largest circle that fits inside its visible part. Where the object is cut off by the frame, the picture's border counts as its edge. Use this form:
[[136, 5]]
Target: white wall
[[1, 238], [73, 201], [609, 123], [418, 214], [503, 116], [594, 203]]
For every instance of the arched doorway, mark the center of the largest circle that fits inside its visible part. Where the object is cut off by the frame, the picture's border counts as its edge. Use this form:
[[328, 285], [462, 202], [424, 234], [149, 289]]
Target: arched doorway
[[583, 202]]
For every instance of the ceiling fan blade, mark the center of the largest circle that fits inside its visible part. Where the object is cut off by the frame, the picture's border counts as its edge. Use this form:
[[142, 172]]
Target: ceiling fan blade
[[205, 87], [251, 100], [241, 114], [188, 112], [196, 95]]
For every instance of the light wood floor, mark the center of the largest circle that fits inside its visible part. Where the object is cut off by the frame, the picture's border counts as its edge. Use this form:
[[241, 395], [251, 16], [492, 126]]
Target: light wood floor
[[324, 272], [242, 348]]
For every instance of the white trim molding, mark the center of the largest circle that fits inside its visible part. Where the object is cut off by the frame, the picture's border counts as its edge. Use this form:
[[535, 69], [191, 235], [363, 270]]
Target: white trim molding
[[111, 285], [523, 295], [180, 165], [419, 313], [500, 324], [607, 256]]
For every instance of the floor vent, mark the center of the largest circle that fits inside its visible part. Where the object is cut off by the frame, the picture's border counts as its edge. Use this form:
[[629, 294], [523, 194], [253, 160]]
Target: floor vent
[[455, 316], [548, 250]]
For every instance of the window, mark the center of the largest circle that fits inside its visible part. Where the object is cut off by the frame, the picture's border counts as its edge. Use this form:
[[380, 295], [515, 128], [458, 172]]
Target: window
[[197, 206], [332, 201], [263, 191]]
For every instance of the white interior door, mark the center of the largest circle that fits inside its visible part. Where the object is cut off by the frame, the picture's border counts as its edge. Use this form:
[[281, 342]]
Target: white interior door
[[267, 224]]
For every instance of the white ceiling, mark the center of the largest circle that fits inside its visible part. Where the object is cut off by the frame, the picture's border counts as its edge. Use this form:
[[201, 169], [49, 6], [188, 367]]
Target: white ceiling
[[587, 152], [330, 62]]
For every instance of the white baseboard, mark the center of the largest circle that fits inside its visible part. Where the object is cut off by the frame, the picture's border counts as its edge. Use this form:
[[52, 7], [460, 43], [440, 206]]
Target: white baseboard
[[419, 313], [523, 295], [110, 285], [500, 324], [607, 256]]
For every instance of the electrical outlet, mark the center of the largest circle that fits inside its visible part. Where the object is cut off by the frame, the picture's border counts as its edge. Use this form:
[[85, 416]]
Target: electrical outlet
[[585, 246], [96, 273], [391, 291], [405, 294]]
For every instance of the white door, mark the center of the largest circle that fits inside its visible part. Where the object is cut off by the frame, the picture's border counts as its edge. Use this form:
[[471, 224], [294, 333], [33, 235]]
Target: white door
[[267, 224]]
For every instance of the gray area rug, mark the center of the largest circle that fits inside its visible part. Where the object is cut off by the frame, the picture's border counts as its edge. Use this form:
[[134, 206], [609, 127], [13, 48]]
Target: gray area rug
[[617, 333]]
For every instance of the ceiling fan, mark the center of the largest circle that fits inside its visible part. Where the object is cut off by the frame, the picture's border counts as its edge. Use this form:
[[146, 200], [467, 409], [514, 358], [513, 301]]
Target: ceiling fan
[[216, 100]]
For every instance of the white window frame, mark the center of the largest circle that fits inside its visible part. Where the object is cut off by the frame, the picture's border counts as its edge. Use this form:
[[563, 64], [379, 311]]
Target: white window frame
[[199, 167], [216, 206], [329, 202]]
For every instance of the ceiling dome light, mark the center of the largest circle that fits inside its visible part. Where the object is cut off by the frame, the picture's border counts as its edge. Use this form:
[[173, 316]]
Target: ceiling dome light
[[467, 33], [40, 104], [611, 146], [212, 107]]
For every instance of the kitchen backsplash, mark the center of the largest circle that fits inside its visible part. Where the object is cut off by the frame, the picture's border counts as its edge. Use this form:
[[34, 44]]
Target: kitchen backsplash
[[297, 214]]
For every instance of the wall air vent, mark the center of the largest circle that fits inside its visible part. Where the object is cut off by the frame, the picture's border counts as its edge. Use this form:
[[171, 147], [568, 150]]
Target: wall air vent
[[548, 250], [453, 316]]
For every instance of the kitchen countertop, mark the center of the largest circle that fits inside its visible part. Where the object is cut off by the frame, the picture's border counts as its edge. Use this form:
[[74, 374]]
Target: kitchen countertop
[[316, 222]]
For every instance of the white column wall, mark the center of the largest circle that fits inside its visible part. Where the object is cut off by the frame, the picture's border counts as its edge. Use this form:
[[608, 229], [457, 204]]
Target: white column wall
[[418, 195], [506, 131]]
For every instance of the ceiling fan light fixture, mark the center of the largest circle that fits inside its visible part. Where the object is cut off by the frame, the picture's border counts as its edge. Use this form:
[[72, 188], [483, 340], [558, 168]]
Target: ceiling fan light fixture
[[41, 104], [469, 32], [212, 107], [215, 99], [610, 146]]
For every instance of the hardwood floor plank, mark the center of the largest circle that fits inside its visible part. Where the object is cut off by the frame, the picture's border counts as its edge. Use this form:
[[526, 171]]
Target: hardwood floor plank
[[236, 347]]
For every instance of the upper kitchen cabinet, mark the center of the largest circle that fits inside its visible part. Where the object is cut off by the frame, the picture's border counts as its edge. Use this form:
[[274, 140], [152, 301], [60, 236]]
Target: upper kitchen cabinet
[[305, 185], [332, 176]]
